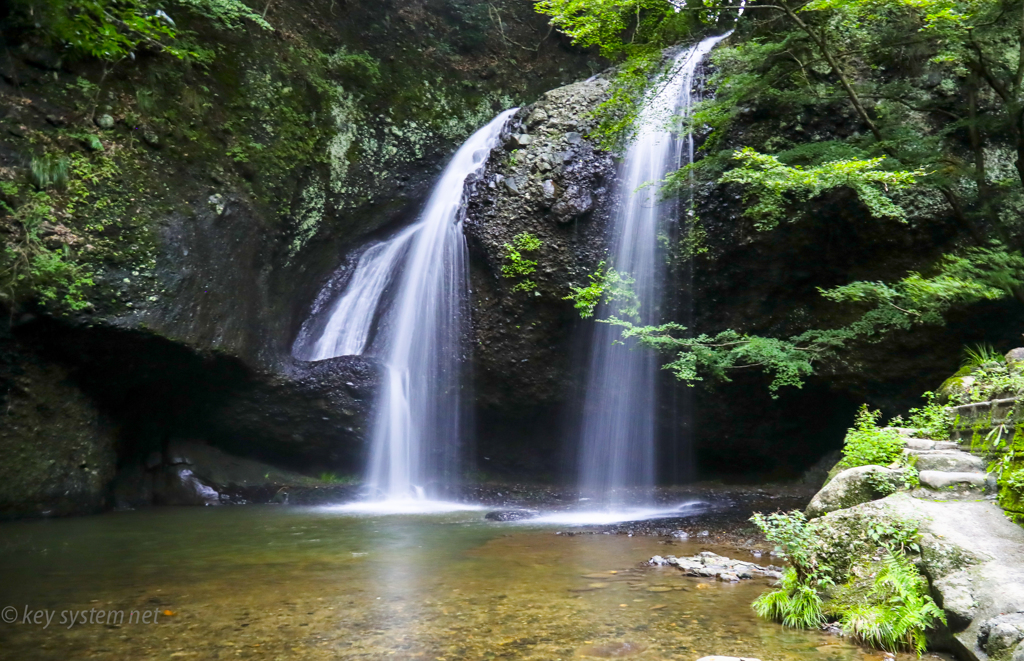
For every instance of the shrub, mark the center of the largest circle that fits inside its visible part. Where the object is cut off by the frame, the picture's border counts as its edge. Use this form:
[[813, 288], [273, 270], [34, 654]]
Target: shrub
[[931, 420], [868, 445], [980, 355], [794, 604]]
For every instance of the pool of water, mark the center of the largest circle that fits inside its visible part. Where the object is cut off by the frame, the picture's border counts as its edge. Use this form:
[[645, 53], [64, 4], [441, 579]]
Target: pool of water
[[288, 583]]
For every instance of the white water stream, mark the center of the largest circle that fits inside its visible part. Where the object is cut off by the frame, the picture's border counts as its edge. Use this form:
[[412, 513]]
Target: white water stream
[[617, 434], [410, 293]]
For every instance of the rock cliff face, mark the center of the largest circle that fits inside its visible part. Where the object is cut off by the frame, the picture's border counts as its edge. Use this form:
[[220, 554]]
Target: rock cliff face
[[209, 206], [550, 181]]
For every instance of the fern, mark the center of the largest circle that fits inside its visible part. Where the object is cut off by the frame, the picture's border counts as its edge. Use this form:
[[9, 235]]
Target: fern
[[897, 609]]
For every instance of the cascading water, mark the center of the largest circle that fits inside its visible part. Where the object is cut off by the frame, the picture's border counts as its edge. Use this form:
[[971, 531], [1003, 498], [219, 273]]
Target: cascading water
[[617, 437], [413, 290]]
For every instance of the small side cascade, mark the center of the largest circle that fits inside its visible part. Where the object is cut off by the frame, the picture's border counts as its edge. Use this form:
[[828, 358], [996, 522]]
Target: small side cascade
[[406, 304], [617, 433]]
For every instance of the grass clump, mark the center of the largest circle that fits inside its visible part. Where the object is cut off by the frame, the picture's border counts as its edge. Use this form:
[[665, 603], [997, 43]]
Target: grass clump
[[980, 355], [50, 171]]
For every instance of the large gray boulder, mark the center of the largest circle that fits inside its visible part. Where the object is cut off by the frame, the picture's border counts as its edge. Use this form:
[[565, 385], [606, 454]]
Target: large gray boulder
[[854, 486]]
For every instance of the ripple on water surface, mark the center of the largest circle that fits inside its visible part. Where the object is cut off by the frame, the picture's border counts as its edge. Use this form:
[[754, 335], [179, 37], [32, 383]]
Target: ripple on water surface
[[284, 583]]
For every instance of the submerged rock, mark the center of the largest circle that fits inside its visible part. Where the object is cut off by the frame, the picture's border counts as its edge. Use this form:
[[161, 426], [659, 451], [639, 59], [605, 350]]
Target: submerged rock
[[614, 650], [711, 565]]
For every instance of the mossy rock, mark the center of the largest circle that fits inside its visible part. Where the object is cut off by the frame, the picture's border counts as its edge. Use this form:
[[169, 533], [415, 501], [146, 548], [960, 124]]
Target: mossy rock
[[854, 486]]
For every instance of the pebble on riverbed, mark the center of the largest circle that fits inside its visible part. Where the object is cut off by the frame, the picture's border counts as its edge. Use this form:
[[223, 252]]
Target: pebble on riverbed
[[711, 565]]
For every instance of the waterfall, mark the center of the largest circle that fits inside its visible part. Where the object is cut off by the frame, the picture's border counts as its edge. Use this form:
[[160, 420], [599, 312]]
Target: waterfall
[[405, 303], [617, 434]]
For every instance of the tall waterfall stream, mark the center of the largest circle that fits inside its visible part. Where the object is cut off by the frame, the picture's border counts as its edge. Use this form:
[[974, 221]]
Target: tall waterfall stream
[[617, 432], [412, 290]]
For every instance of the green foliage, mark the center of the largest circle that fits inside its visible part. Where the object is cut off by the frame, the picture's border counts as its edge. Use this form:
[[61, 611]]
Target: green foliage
[[586, 299], [105, 29], [227, 14], [633, 31], [991, 381], [604, 23], [334, 478], [792, 535], [610, 286], [28, 263], [774, 183], [715, 356], [518, 266], [868, 445], [978, 274], [361, 67], [796, 603], [112, 30], [50, 171], [694, 240]]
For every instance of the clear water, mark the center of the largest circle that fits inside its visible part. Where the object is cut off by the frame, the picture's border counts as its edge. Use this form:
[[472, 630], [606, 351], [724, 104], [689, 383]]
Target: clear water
[[286, 583], [410, 294], [617, 435]]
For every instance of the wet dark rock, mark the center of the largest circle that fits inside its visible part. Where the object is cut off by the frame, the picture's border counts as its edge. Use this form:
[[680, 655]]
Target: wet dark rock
[[192, 473], [198, 345], [511, 515], [574, 203]]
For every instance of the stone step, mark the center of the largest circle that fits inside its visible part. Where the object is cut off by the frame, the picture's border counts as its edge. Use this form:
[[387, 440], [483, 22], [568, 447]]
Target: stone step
[[950, 461], [928, 444], [954, 481]]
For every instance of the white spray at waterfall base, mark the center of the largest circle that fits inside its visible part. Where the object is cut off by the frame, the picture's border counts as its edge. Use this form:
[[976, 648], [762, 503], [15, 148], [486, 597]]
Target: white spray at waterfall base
[[410, 295], [617, 433]]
